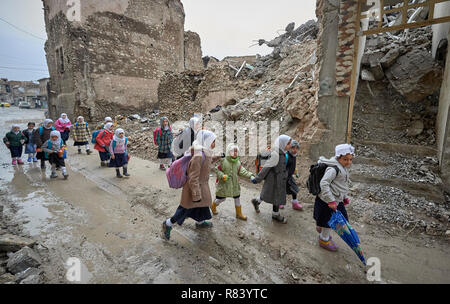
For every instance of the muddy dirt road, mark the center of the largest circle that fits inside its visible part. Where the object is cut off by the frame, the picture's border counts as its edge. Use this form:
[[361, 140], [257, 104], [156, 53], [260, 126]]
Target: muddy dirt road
[[113, 227]]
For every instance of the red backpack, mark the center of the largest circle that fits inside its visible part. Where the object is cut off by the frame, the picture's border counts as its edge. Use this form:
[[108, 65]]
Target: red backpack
[[160, 134]]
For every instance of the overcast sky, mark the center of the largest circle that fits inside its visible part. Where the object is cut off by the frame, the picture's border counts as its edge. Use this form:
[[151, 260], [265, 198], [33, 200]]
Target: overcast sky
[[226, 28]]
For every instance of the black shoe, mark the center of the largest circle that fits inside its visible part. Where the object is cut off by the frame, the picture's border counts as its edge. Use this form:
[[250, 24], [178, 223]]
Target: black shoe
[[102, 164], [66, 176], [88, 152], [118, 173], [79, 151], [256, 203], [53, 175], [42, 165], [125, 172]]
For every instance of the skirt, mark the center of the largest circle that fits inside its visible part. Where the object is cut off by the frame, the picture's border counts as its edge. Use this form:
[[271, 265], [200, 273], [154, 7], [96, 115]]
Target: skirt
[[81, 143], [30, 148], [104, 156], [16, 151], [119, 160], [165, 155], [197, 214], [53, 158], [291, 186], [322, 213]]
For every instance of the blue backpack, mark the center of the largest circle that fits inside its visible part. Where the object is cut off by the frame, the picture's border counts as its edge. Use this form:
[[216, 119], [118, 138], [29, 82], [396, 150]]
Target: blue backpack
[[94, 136]]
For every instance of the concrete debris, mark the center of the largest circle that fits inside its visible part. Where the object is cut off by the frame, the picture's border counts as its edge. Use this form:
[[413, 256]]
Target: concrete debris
[[13, 243], [27, 273], [23, 259]]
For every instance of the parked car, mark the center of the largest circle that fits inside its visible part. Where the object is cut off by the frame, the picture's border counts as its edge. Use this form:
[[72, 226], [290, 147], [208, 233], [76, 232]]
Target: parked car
[[24, 105], [5, 105]]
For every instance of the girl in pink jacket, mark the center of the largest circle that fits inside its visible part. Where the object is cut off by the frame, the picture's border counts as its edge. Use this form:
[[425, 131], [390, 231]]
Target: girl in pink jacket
[[63, 125]]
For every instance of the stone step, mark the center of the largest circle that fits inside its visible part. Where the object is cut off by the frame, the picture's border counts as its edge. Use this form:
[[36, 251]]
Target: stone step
[[408, 150], [426, 190]]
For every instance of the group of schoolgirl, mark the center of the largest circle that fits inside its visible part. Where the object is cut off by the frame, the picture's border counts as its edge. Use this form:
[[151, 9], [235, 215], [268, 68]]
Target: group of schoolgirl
[[196, 201]]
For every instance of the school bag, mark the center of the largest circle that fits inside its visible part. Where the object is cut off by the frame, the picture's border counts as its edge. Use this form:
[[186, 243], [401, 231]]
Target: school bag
[[94, 136], [177, 172], [316, 173], [158, 130], [41, 130], [114, 143], [261, 159], [61, 153]]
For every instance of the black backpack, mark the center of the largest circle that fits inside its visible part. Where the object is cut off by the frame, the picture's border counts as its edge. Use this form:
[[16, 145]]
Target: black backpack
[[316, 173]]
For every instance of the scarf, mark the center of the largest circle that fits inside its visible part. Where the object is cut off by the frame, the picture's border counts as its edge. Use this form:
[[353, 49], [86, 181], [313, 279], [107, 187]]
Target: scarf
[[82, 119], [161, 121], [119, 141], [344, 149], [13, 127], [281, 142], [64, 120], [46, 122], [230, 150], [108, 126], [204, 141], [194, 124], [56, 145], [108, 119]]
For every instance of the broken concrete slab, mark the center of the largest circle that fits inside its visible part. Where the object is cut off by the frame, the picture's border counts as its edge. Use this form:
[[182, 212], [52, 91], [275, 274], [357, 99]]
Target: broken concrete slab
[[23, 259], [32, 279], [415, 75], [27, 273], [7, 278], [13, 243], [367, 75], [377, 71], [390, 58]]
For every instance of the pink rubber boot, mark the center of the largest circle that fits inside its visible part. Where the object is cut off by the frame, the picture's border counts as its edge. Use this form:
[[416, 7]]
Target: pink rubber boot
[[296, 205], [20, 162], [14, 162]]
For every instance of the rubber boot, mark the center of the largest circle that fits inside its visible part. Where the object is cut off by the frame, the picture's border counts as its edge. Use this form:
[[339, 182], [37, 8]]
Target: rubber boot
[[125, 172], [118, 173], [214, 208], [88, 152], [79, 151], [239, 214]]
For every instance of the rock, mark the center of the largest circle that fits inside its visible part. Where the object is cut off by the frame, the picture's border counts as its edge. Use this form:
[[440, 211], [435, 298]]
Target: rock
[[216, 109], [7, 278], [27, 273], [144, 120], [32, 279], [23, 259], [415, 75], [389, 59], [367, 75], [2, 271], [377, 71], [290, 27], [415, 129], [13, 243], [134, 117]]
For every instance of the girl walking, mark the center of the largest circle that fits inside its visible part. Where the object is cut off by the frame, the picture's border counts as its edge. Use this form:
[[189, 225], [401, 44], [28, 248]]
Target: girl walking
[[103, 141], [44, 134], [63, 125], [196, 195], [184, 141], [164, 140], [14, 140], [334, 187], [291, 185], [52, 149], [81, 135], [228, 172], [118, 151], [31, 134], [274, 173]]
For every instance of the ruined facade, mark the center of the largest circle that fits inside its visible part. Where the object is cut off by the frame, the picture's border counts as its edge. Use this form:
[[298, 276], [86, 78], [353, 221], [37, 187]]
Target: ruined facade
[[111, 58]]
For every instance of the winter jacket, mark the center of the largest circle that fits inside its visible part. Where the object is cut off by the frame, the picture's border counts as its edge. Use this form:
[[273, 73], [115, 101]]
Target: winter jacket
[[44, 137], [81, 132], [103, 139], [334, 188], [118, 149], [14, 139], [275, 178], [292, 164], [33, 135], [197, 187], [233, 169], [61, 127]]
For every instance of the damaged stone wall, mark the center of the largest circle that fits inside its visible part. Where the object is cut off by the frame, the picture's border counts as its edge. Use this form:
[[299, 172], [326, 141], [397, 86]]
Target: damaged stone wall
[[115, 56]]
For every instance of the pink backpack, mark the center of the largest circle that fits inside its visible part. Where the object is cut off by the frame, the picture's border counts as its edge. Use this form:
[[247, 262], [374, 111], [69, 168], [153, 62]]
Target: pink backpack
[[177, 173], [158, 130]]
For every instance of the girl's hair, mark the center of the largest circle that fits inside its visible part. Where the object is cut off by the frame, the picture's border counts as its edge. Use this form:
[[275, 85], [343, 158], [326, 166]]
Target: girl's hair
[[31, 124]]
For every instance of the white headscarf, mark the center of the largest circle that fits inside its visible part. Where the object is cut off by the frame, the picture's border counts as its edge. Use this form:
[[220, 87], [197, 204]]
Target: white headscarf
[[56, 145], [82, 118], [281, 142], [46, 122], [344, 149], [231, 147], [204, 141], [15, 126], [119, 141], [64, 120], [193, 122], [108, 126], [108, 119]]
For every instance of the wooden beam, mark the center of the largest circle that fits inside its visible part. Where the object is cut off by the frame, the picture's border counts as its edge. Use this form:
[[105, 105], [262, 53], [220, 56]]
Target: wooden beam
[[431, 10], [406, 26]]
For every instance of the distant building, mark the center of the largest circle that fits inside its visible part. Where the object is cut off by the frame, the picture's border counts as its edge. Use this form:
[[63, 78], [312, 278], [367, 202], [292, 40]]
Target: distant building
[[44, 85]]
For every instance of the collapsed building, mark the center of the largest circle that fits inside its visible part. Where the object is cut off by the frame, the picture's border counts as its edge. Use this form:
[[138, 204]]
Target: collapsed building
[[112, 56]]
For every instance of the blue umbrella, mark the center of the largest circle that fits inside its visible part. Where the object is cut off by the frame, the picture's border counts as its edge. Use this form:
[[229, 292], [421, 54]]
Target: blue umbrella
[[343, 228]]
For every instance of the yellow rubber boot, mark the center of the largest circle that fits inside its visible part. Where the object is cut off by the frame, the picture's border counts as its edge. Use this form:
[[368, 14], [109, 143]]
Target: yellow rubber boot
[[239, 214], [214, 208]]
